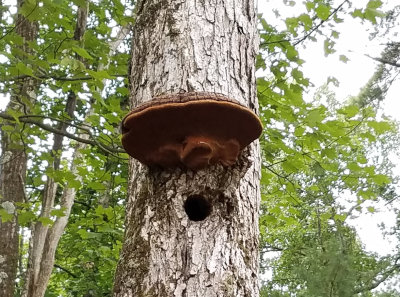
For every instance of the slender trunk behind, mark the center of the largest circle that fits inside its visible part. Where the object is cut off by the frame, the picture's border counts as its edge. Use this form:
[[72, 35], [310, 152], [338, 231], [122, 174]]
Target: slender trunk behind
[[44, 239], [13, 162]]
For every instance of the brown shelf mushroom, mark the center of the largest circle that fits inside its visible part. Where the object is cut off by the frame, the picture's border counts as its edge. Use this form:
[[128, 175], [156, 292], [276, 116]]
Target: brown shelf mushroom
[[190, 129]]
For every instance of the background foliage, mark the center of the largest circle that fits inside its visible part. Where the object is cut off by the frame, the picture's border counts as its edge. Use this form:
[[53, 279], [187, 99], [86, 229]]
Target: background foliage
[[322, 158]]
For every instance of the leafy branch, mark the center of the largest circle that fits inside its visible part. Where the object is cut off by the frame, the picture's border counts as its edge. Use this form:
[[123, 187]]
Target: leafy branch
[[395, 268], [320, 24], [66, 270], [315, 28], [384, 61], [58, 78], [93, 141]]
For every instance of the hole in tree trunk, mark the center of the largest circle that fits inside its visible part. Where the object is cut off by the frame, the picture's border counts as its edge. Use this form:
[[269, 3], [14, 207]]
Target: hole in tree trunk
[[197, 207]]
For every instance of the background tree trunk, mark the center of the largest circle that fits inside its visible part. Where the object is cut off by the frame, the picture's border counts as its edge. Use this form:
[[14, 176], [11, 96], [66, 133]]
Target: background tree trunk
[[193, 46], [13, 163], [44, 239]]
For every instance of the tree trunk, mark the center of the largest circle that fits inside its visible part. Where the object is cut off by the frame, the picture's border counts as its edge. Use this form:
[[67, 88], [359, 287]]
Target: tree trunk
[[13, 167], [44, 239], [186, 46]]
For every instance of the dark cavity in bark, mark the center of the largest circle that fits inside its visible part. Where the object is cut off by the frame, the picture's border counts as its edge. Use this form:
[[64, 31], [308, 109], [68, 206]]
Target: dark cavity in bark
[[197, 208]]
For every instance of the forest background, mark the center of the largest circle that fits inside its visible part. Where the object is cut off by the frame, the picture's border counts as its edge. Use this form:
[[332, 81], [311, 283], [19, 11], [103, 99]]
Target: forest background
[[326, 160]]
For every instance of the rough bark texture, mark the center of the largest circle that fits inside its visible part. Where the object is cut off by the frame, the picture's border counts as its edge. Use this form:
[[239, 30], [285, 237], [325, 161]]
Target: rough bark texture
[[193, 46], [12, 177], [13, 168]]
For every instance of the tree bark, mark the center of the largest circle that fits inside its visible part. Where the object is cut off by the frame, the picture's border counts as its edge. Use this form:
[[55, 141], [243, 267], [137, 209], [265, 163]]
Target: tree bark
[[13, 164], [186, 46]]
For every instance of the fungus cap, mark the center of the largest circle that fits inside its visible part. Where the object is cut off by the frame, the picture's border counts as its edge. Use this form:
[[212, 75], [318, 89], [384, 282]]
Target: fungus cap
[[189, 129]]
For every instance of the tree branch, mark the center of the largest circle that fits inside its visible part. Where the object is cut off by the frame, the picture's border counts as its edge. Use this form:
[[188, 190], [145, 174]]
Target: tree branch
[[296, 42], [385, 275], [384, 61], [320, 24], [66, 270], [87, 205], [49, 128], [59, 78]]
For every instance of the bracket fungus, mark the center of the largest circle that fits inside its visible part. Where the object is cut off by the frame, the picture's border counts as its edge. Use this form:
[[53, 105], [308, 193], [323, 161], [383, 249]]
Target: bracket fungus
[[189, 129]]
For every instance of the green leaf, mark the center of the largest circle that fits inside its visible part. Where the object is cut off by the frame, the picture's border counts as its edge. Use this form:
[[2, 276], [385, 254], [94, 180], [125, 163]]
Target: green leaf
[[323, 11], [379, 127], [100, 75], [268, 219], [66, 61], [371, 14], [318, 170], [79, 2], [82, 52], [298, 76], [5, 216], [15, 114], [374, 4], [335, 34], [58, 212], [329, 47], [23, 69], [315, 188], [28, 8], [381, 179], [289, 221], [367, 194], [357, 13], [74, 183], [292, 54], [290, 3], [299, 131], [306, 20], [314, 117], [291, 25], [26, 217], [96, 185], [326, 216], [87, 235], [349, 111], [46, 221], [310, 5], [331, 153], [7, 128], [353, 166], [362, 159], [368, 136], [83, 233], [343, 58], [340, 217]]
